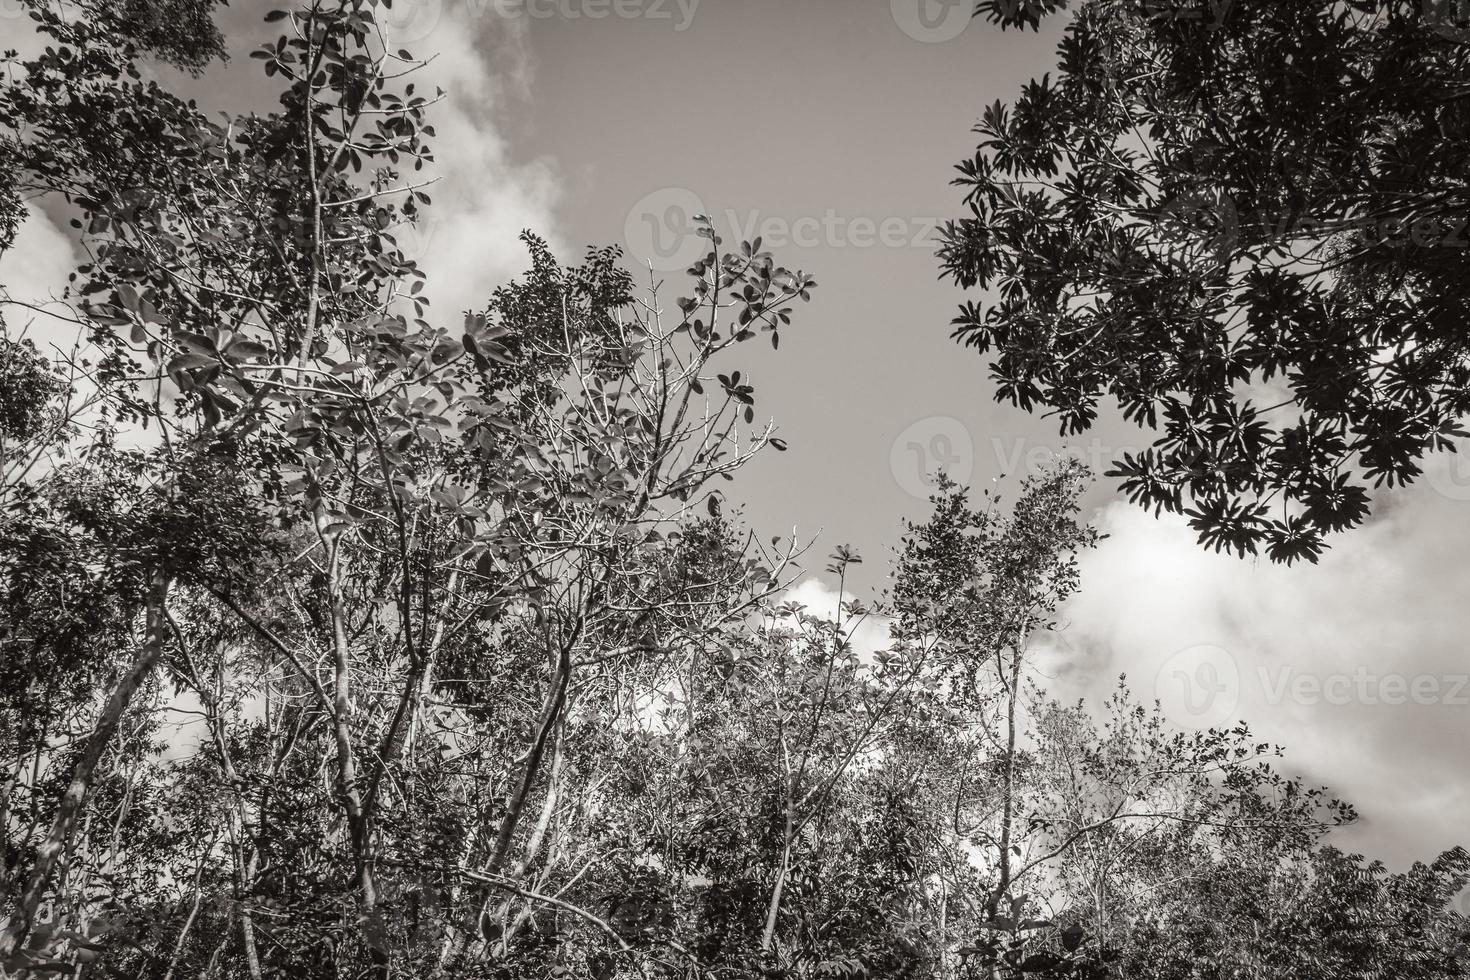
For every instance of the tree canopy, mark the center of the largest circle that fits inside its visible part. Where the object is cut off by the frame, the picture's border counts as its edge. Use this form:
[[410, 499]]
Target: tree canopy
[[1241, 222], [348, 637]]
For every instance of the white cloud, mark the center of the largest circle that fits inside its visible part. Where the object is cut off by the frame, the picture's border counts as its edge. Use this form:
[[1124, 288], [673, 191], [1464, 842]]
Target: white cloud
[[33, 272], [1357, 665], [468, 242], [868, 634]]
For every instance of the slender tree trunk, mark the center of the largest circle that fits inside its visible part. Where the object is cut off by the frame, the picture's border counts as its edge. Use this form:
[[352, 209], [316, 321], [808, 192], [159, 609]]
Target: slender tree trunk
[[550, 717], [6, 789], [212, 970], [240, 825], [551, 713], [416, 687], [768, 934], [348, 782], [1010, 680], [1008, 781], [245, 878], [54, 845], [536, 840], [944, 931], [450, 947], [773, 910], [173, 961]]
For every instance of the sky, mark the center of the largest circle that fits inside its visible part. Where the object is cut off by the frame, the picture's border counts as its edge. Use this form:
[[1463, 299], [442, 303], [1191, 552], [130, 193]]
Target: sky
[[831, 128]]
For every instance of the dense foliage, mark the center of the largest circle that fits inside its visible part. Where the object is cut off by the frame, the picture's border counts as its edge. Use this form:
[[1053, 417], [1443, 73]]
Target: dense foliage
[[344, 637], [1243, 221]]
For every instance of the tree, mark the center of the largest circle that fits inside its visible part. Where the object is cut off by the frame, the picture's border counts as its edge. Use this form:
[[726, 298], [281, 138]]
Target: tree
[[429, 489], [1240, 220], [345, 638], [973, 588]]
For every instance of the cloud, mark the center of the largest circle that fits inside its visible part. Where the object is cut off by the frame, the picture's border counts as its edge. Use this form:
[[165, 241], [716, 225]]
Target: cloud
[[33, 280], [1357, 665], [868, 635], [34, 272], [468, 242], [485, 195]]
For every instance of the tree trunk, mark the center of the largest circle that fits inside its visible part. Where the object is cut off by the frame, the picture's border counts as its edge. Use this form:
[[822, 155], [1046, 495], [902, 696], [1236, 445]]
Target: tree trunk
[[534, 843], [348, 782], [81, 778], [1008, 780], [551, 714], [768, 935], [550, 718]]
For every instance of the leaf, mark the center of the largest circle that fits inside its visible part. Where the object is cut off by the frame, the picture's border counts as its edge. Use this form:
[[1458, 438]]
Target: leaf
[[128, 296], [244, 350], [185, 362], [496, 353]]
